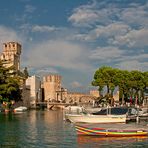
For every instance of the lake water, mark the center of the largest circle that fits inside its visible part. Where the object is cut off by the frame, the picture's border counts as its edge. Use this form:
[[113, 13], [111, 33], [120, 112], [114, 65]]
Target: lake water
[[46, 129]]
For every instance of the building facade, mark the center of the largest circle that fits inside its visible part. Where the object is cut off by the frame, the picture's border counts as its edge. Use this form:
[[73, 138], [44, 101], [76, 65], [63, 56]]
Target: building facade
[[34, 84], [95, 93]]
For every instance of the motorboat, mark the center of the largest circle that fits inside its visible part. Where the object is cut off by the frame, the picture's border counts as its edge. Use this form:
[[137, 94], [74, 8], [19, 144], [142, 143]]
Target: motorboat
[[90, 118], [105, 115], [20, 109], [108, 115], [74, 109]]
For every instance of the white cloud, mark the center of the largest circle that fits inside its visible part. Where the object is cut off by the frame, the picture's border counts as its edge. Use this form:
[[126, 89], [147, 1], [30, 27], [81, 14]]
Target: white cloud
[[133, 65], [90, 14], [103, 12], [9, 35], [135, 15], [76, 84], [83, 17], [134, 38], [45, 71], [29, 8], [57, 53], [38, 28], [106, 53], [109, 31], [139, 57], [114, 29]]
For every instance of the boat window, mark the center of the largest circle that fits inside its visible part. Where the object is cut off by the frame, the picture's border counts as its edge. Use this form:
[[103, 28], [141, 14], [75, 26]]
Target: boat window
[[101, 112], [119, 111]]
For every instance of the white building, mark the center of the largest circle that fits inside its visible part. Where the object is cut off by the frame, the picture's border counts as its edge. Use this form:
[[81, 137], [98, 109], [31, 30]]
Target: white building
[[34, 83]]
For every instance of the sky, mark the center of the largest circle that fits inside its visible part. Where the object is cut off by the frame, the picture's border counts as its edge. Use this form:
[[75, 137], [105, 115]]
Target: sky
[[74, 38]]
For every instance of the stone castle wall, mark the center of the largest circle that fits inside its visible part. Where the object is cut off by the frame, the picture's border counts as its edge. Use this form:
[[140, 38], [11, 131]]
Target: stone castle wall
[[11, 54], [52, 87]]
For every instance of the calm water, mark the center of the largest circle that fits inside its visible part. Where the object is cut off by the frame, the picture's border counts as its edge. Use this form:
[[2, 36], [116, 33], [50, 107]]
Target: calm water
[[46, 129]]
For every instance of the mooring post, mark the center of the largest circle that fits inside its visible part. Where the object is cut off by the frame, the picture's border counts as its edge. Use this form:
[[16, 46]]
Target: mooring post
[[137, 118]]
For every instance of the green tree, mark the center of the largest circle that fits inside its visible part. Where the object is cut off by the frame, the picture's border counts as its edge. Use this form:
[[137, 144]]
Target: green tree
[[9, 84], [105, 77], [131, 84]]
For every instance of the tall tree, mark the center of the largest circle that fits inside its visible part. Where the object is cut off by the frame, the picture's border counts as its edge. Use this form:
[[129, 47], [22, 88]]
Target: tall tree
[[105, 77], [9, 84], [131, 84]]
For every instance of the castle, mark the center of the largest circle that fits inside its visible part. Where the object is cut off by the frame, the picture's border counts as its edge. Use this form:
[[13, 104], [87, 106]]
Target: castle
[[34, 90]]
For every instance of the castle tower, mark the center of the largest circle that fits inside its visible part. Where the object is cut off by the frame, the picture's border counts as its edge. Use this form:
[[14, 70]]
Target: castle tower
[[52, 87], [11, 54]]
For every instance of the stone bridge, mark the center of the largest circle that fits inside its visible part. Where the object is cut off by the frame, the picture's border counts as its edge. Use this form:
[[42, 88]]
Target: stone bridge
[[53, 105]]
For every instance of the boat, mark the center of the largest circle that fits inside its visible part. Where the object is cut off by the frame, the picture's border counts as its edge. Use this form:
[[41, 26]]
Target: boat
[[89, 118], [108, 115], [112, 130], [20, 109], [74, 109]]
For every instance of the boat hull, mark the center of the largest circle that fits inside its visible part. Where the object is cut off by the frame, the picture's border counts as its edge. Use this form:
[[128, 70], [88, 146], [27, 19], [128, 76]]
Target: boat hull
[[20, 109], [96, 118], [83, 130]]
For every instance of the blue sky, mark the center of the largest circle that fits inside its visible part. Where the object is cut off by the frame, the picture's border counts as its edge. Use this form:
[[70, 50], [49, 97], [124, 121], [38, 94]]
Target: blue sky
[[75, 37]]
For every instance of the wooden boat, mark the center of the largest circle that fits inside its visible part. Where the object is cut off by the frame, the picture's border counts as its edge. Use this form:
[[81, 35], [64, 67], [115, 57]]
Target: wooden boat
[[112, 130]]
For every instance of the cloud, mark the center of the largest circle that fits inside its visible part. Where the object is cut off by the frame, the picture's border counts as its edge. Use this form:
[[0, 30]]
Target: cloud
[[134, 38], [91, 14], [8, 35], [44, 71], [83, 17], [104, 12], [76, 84], [133, 65], [56, 53], [29, 8], [38, 28], [135, 15], [106, 53], [109, 31], [114, 29]]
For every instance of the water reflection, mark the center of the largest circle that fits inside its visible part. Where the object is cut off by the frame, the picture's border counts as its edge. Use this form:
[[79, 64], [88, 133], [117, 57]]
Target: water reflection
[[97, 142], [36, 129]]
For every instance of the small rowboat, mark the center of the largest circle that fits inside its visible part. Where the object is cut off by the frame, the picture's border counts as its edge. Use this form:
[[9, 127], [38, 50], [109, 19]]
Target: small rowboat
[[112, 130]]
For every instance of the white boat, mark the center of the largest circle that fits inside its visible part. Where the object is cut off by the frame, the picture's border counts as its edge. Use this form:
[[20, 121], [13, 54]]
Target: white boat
[[74, 109], [106, 115], [89, 118], [20, 109]]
